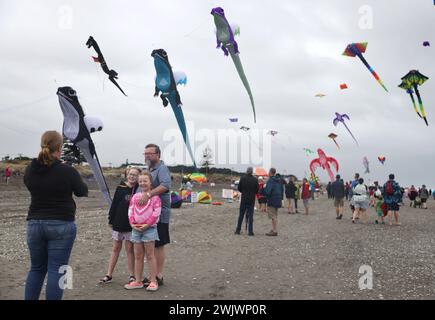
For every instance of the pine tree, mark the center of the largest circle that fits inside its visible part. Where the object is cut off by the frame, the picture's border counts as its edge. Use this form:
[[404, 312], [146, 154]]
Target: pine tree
[[71, 153]]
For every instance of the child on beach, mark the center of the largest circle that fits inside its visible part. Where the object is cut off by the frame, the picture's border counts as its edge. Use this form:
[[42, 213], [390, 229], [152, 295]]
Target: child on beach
[[379, 209], [120, 225], [143, 220], [305, 194]]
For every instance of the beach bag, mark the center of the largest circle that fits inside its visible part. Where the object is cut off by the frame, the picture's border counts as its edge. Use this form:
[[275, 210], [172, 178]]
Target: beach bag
[[389, 189]]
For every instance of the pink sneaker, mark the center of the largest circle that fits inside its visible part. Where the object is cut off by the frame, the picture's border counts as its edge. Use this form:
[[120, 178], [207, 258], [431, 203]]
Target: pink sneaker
[[153, 286], [134, 285]]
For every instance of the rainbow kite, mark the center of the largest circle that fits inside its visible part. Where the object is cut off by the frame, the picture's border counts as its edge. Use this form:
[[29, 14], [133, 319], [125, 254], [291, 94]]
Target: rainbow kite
[[357, 49]]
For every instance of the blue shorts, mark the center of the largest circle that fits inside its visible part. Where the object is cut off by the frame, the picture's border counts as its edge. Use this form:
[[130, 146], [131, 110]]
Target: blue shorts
[[393, 206], [148, 235]]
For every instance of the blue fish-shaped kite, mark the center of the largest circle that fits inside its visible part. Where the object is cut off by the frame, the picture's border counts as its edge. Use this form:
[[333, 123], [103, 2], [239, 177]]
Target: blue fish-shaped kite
[[166, 84]]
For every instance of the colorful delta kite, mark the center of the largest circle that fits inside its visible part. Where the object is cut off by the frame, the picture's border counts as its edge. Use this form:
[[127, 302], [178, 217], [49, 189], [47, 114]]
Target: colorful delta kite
[[357, 49], [343, 86], [324, 162], [382, 159], [366, 165], [333, 136], [100, 59], [409, 90], [166, 83], [308, 152], [225, 39], [197, 177], [341, 118], [78, 128], [412, 80]]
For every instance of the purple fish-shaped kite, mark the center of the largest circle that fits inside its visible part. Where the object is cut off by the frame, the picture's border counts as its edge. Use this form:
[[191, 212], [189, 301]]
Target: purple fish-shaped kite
[[341, 118]]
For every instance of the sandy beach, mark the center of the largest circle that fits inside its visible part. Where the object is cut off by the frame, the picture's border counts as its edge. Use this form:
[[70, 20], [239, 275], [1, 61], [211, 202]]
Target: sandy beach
[[314, 257]]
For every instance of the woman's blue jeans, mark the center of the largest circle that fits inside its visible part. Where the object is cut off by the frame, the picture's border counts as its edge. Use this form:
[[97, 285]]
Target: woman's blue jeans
[[50, 244]]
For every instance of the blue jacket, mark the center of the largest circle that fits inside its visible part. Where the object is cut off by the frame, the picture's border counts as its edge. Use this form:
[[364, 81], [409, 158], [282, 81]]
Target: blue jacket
[[274, 192], [395, 197]]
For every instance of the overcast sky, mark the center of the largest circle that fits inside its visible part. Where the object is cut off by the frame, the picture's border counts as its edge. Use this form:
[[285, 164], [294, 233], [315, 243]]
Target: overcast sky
[[291, 50]]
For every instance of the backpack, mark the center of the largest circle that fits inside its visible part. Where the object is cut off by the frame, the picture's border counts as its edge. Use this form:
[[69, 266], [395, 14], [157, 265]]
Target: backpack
[[389, 189]]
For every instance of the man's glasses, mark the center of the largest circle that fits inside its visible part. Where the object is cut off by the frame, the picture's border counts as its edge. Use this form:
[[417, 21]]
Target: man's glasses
[[149, 153]]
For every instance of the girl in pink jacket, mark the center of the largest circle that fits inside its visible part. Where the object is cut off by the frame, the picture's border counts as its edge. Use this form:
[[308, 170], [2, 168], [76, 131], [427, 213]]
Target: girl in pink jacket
[[143, 220]]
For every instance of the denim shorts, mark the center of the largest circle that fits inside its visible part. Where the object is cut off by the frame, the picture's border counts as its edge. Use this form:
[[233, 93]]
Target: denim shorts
[[148, 235]]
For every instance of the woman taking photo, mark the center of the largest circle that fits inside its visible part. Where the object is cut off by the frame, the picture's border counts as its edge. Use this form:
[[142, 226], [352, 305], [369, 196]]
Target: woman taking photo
[[51, 229]]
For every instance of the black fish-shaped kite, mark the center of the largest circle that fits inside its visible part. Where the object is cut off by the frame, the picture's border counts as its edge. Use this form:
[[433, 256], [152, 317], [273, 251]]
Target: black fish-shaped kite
[[78, 128], [100, 59]]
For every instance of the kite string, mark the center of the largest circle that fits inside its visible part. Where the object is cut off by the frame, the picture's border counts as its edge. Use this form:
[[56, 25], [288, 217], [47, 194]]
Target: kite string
[[197, 28], [100, 77]]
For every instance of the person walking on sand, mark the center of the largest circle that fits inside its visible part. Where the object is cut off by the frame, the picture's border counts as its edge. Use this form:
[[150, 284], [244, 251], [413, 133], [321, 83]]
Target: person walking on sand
[[8, 174], [274, 194], [412, 195], [248, 187], [312, 189], [353, 184], [424, 195], [290, 194], [305, 194], [120, 225], [143, 220], [360, 201], [391, 194], [347, 190], [297, 195], [51, 230], [338, 193]]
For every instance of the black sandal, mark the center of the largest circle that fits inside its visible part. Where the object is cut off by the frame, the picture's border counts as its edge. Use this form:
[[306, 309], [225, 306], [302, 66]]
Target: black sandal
[[106, 279], [146, 281]]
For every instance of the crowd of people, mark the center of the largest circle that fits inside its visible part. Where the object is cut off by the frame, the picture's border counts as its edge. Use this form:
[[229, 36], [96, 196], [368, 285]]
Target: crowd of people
[[385, 200]]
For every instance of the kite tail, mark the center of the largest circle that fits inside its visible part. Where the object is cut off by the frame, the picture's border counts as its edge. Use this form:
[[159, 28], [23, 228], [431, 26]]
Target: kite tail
[[378, 79], [414, 104], [420, 102], [336, 144], [178, 112], [331, 174], [351, 134], [94, 163], [241, 72]]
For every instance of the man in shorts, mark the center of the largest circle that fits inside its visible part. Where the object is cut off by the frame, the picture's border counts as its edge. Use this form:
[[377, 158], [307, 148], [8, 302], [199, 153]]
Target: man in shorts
[[161, 186], [274, 195], [338, 193], [392, 197]]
